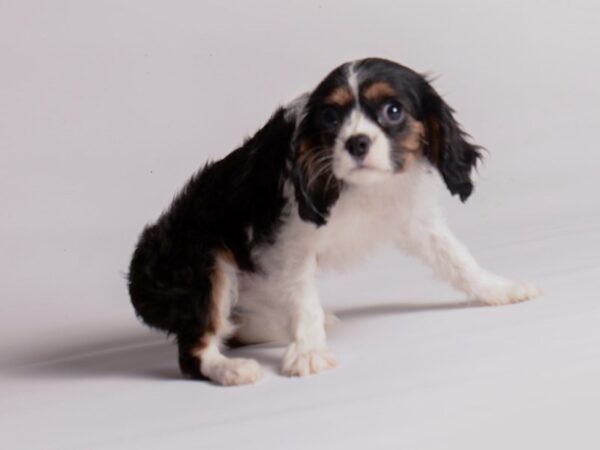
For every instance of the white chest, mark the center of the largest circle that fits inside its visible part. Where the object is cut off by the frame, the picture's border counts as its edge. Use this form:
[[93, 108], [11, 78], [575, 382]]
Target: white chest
[[360, 220], [367, 216]]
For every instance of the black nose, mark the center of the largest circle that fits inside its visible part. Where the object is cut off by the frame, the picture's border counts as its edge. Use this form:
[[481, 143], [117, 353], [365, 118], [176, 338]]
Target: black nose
[[358, 145]]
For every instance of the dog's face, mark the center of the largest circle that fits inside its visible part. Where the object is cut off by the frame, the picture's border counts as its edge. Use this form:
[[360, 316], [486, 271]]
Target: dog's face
[[365, 116], [368, 121]]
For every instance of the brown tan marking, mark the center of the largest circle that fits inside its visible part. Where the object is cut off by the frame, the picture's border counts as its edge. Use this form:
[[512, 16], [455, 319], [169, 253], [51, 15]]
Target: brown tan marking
[[341, 96], [220, 291], [307, 158], [412, 143], [218, 326], [379, 90], [227, 256], [433, 140], [314, 162], [200, 346]]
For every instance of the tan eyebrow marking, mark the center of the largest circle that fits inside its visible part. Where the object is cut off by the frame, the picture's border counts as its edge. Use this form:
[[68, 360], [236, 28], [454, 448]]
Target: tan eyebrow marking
[[341, 96], [378, 90]]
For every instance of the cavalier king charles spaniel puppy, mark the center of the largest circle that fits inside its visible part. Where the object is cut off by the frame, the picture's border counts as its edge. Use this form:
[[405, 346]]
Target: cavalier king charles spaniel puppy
[[353, 163]]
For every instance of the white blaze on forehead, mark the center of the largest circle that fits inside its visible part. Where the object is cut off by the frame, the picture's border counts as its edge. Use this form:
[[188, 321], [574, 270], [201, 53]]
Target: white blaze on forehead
[[353, 79], [358, 123]]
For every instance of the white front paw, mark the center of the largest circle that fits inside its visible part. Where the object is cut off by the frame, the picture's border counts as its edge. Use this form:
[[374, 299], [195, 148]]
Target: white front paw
[[232, 371], [503, 292], [299, 363]]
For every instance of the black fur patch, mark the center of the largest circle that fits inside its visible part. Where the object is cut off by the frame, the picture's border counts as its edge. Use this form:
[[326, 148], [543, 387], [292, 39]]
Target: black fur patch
[[170, 272], [448, 147], [316, 188]]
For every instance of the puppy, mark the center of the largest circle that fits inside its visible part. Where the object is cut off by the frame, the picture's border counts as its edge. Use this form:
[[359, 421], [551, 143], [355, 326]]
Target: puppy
[[340, 169]]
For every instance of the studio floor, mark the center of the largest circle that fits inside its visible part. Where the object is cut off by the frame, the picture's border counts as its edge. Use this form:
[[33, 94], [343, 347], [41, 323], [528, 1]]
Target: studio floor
[[420, 368], [106, 109]]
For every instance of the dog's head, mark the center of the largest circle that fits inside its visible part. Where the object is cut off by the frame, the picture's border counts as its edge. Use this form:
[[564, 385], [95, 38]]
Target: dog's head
[[367, 121]]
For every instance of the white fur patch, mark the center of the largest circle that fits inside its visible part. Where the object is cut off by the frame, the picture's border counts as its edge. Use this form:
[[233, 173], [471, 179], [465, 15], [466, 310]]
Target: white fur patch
[[352, 77], [227, 371], [299, 363], [233, 371], [376, 165], [498, 291]]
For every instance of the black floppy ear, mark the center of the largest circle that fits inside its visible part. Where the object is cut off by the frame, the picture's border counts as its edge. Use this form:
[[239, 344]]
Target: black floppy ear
[[446, 144], [315, 187]]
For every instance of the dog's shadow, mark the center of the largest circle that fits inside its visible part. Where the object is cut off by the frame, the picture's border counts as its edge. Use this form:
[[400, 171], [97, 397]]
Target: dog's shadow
[[144, 355]]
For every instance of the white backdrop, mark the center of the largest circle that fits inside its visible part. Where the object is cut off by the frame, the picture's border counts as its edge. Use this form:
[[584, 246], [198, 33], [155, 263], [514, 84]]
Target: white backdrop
[[107, 107]]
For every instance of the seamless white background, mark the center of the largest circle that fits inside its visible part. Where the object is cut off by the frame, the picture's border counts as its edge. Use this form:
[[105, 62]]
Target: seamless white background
[[106, 107]]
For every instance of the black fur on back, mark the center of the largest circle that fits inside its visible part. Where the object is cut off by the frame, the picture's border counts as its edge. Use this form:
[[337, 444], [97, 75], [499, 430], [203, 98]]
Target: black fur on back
[[170, 272]]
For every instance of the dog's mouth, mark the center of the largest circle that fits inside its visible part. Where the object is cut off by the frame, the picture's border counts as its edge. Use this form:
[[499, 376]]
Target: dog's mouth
[[366, 174], [368, 168]]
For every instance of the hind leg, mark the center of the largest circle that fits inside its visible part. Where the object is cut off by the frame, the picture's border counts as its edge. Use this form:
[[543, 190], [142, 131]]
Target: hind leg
[[200, 354]]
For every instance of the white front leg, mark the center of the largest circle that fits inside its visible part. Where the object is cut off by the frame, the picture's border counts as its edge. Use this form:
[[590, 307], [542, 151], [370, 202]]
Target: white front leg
[[307, 352], [430, 239]]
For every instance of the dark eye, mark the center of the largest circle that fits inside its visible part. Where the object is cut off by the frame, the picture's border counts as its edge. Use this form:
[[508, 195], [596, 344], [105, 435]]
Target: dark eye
[[329, 116], [392, 113]]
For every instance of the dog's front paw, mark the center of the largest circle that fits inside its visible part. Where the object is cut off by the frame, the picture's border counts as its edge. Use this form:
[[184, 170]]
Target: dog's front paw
[[504, 292], [233, 371], [299, 363], [331, 320]]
